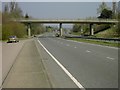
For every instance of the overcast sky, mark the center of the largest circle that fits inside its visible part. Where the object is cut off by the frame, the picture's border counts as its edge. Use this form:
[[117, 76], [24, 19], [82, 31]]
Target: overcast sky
[[61, 10]]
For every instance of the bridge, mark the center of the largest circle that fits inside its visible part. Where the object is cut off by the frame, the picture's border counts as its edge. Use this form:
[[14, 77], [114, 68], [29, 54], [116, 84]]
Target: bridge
[[60, 22]]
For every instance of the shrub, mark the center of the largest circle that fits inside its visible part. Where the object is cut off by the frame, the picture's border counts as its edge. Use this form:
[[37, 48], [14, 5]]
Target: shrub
[[13, 28]]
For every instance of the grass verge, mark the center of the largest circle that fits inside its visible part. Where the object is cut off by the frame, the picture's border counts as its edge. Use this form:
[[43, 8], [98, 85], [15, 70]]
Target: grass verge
[[109, 33], [112, 44], [76, 33]]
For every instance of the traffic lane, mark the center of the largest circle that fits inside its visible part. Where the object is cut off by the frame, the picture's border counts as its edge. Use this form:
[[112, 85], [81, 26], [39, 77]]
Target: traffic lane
[[57, 76], [9, 54], [111, 54], [97, 49], [92, 64], [104, 53], [102, 56], [93, 72], [95, 52]]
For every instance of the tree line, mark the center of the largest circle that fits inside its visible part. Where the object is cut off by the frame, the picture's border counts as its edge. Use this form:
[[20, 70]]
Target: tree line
[[104, 13], [13, 11]]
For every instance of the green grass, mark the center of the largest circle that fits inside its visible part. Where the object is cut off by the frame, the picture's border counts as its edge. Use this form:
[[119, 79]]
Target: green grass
[[76, 33], [109, 33], [95, 42]]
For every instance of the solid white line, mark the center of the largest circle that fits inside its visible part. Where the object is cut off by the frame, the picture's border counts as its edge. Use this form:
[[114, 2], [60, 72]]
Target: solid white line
[[63, 68]]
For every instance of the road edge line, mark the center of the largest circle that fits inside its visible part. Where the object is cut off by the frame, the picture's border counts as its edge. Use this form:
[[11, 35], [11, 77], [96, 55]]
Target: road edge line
[[46, 73], [63, 68]]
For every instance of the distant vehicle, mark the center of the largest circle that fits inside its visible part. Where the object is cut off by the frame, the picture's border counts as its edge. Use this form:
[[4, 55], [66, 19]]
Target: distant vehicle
[[13, 39], [34, 35], [57, 34]]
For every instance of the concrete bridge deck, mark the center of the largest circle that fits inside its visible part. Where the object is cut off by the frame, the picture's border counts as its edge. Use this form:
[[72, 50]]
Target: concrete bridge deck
[[95, 21]]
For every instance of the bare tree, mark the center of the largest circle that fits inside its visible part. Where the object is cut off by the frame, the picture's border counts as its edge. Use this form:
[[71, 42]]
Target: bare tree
[[6, 8], [12, 6]]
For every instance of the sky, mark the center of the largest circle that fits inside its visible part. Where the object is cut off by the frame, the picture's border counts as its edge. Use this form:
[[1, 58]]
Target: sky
[[60, 10], [119, 6]]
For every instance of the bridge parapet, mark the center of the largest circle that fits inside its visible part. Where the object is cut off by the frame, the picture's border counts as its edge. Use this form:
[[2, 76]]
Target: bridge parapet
[[90, 21]]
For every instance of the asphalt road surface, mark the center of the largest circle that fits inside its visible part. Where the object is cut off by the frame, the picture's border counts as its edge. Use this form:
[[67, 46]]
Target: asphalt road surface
[[9, 52], [93, 66], [27, 70]]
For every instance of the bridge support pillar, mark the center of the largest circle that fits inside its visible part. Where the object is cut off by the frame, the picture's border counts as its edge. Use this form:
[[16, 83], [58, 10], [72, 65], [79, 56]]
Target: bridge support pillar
[[29, 31], [60, 28], [81, 30], [91, 29]]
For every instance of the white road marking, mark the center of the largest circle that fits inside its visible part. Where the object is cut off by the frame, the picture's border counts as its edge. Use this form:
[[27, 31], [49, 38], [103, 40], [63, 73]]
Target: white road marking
[[88, 51], [64, 69], [92, 44], [110, 58], [75, 47]]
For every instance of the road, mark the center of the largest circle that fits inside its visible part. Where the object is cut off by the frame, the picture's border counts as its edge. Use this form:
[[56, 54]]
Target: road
[[27, 70], [93, 66], [9, 52]]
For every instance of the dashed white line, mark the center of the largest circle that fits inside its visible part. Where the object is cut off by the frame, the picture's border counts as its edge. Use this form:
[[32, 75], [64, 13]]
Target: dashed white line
[[64, 69], [92, 44], [75, 47], [88, 51], [110, 58]]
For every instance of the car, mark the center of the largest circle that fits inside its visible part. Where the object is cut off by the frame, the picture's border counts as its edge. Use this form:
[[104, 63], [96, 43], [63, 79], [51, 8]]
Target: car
[[13, 39], [57, 34]]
